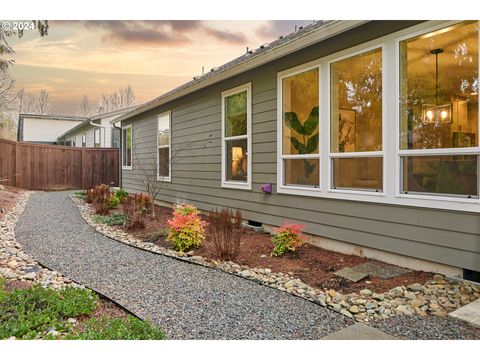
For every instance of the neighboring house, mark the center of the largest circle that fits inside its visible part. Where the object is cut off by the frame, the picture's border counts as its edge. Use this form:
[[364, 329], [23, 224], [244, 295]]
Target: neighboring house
[[364, 131], [95, 131], [44, 129]]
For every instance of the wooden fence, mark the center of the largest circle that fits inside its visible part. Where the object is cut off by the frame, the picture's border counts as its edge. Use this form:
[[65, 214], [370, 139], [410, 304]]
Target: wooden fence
[[52, 167]]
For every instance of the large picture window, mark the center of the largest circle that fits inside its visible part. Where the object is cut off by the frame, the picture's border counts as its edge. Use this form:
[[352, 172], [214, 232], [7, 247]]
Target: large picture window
[[127, 147], [300, 162], [163, 147], [439, 112], [356, 122], [236, 141]]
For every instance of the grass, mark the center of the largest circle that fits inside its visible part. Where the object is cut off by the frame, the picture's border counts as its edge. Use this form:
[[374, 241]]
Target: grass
[[34, 312], [114, 219]]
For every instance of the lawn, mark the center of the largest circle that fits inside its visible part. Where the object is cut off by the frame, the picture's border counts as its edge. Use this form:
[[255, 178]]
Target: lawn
[[70, 313]]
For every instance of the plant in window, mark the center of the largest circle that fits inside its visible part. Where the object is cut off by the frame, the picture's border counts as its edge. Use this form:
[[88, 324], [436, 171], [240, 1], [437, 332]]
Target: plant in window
[[287, 239], [186, 229], [226, 229], [308, 142]]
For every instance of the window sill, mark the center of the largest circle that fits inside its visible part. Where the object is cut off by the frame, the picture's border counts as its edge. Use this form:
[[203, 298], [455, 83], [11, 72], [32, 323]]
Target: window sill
[[236, 185], [127, 167], [164, 179]]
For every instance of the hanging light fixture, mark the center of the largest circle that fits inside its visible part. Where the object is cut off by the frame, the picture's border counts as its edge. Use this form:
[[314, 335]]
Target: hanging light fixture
[[437, 113]]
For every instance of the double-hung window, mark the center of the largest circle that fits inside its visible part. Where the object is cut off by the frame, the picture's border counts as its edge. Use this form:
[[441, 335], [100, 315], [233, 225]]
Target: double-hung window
[[439, 151], [299, 153], [236, 138], [127, 143], [163, 147], [356, 156]]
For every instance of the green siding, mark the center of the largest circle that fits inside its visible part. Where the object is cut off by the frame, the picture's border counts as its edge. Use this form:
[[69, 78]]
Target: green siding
[[447, 237]]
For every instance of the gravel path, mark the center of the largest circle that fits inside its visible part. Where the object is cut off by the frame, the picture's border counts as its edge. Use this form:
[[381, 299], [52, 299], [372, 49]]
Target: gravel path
[[188, 301], [429, 328]]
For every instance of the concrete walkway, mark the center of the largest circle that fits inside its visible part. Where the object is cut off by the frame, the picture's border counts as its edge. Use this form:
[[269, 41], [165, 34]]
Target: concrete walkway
[[188, 301]]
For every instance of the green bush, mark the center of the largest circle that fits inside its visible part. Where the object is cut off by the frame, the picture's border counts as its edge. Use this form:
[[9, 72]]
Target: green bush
[[287, 239], [27, 313], [114, 219], [113, 201], [129, 328], [121, 194]]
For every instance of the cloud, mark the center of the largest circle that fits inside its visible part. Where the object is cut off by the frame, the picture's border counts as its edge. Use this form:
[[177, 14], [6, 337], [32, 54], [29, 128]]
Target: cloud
[[275, 28], [226, 36]]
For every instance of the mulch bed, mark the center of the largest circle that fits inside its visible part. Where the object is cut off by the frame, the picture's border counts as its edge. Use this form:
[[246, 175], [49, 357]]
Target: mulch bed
[[8, 198], [311, 264]]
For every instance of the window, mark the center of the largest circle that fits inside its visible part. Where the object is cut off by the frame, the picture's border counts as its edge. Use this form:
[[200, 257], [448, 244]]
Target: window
[[236, 138], [97, 137], [115, 138], [163, 147], [439, 112], [127, 145], [84, 140], [356, 122], [74, 141], [300, 156]]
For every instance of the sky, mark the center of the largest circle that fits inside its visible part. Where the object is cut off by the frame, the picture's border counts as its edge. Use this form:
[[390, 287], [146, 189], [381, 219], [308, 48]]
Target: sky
[[98, 57]]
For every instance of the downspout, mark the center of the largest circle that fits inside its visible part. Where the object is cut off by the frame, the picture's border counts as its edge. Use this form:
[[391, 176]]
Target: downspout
[[120, 155]]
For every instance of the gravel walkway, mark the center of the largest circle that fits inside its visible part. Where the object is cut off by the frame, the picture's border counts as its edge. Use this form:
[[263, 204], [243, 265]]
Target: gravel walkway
[[188, 301]]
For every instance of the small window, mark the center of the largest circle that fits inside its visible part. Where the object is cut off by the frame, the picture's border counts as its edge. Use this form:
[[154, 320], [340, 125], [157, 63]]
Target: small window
[[236, 141], [116, 138], [74, 142], [127, 147], [97, 142], [84, 140], [163, 147]]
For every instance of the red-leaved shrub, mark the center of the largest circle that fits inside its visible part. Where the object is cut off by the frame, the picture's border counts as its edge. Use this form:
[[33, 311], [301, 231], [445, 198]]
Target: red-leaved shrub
[[136, 207], [99, 197], [226, 230]]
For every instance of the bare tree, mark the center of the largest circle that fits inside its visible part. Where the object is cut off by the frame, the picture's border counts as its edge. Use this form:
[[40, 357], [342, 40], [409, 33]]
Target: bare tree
[[127, 96], [25, 102], [43, 106], [6, 85], [151, 171], [116, 100], [84, 107]]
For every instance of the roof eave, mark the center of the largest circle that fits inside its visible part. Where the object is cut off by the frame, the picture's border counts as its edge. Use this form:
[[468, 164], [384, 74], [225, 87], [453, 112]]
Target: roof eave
[[331, 29]]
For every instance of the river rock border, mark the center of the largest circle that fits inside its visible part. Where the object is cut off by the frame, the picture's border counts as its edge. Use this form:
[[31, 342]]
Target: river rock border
[[438, 296], [15, 264]]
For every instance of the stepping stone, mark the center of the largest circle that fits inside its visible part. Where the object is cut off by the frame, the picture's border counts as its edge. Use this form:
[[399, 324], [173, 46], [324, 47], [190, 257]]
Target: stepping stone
[[469, 313], [351, 274], [382, 270], [359, 331]]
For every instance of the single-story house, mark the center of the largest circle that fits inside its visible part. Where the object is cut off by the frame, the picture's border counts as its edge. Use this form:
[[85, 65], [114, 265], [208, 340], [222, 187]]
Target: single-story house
[[44, 129], [95, 131], [366, 132]]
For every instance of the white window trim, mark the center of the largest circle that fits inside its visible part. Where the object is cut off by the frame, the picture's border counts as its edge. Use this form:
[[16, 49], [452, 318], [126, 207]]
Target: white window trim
[[390, 146], [84, 140], [238, 184], [125, 167], [169, 177]]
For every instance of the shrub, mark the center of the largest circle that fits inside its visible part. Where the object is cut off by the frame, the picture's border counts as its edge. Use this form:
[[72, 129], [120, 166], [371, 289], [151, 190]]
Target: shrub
[[113, 201], [288, 238], [226, 229], [129, 328], [186, 229], [121, 194], [114, 219], [100, 197], [136, 208]]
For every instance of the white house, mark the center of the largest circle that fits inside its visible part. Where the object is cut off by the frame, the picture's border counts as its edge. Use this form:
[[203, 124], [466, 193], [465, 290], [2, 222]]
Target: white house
[[45, 129]]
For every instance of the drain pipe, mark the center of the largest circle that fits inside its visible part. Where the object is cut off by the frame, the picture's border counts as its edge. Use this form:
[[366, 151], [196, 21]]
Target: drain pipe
[[104, 133], [120, 155]]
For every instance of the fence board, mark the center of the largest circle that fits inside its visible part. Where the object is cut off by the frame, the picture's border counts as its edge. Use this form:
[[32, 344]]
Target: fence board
[[52, 167]]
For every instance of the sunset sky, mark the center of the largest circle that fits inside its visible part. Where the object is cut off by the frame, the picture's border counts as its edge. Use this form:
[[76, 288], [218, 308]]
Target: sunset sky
[[96, 57]]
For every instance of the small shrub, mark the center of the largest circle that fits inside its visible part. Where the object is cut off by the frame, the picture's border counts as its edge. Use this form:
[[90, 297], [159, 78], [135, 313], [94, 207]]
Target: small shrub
[[226, 229], [81, 195], [113, 201], [121, 194], [129, 328], [136, 208], [186, 229], [157, 234], [100, 197], [288, 238], [113, 219]]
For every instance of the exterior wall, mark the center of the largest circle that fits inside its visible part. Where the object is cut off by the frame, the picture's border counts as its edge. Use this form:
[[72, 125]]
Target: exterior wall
[[44, 130], [88, 129], [446, 237]]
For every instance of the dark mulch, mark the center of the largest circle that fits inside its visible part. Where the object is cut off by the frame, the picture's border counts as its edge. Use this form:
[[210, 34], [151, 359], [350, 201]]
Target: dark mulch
[[313, 265], [8, 198]]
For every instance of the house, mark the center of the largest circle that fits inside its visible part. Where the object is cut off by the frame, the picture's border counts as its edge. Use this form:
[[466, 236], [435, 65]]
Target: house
[[364, 131], [95, 131], [44, 129]]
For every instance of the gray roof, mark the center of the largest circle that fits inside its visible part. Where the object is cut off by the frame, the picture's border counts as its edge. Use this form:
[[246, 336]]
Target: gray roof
[[52, 117]]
